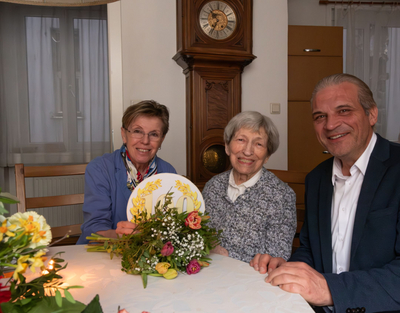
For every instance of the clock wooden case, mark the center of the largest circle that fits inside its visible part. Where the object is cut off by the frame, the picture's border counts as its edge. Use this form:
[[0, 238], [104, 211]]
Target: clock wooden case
[[214, 44]]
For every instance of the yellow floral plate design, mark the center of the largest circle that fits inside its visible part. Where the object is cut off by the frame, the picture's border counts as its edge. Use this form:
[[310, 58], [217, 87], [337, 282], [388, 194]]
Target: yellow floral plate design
[[187, 197]]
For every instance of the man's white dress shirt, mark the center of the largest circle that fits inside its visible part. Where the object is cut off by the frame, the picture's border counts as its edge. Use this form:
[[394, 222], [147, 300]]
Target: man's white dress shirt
[[344, 205]]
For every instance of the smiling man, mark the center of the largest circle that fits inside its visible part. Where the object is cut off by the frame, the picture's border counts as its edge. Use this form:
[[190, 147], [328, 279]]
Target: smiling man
[[349, 256]]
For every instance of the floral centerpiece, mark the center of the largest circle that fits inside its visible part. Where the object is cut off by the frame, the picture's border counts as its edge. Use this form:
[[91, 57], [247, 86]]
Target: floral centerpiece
[[24, 238], [163, 243]]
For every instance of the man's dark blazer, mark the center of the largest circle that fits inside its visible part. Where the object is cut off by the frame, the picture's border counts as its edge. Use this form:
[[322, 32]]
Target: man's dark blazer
[[373, 280]]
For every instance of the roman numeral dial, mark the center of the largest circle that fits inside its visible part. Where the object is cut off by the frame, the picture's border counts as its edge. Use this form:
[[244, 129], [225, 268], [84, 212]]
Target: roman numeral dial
[[217, 20]]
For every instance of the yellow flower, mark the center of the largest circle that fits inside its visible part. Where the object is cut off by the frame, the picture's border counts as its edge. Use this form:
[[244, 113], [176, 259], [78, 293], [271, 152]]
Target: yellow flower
[[34, 225], [21, 265], [7, 230], [170, 274], [162, 267], [37, 260]]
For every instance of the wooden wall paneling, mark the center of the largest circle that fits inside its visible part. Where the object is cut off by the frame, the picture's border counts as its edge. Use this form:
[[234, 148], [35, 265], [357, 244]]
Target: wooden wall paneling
[[304, 150], [305, 72], [327, 40], [314, 53]]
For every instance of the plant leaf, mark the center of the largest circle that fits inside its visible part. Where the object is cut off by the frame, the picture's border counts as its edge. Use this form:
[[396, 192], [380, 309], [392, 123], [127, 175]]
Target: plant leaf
[[58, 298], [2, 209], [73, 287], [6, 197], [144, 280], [26, 301], [68, 296], [94, 306]]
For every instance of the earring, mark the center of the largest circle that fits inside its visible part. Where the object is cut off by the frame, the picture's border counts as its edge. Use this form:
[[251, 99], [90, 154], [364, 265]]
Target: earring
[[159, 148]]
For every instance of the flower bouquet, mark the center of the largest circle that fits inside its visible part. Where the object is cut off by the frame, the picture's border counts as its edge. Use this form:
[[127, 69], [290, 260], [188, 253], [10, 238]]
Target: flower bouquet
[[24, 238], [163, 243]]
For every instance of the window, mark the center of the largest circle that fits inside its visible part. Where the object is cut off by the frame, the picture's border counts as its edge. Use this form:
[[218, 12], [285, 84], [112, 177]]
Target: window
[[54, 87], [371, 50]]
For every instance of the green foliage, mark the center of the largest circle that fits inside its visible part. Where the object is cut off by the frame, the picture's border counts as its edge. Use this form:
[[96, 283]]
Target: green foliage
[[42, 294], [50, 306], [94, 306], [6, 197], [36, 295], [141, 250]]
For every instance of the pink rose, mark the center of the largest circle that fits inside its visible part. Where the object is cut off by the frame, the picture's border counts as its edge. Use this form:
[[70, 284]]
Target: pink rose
[[193, 220], [168, 249], [193, 267]]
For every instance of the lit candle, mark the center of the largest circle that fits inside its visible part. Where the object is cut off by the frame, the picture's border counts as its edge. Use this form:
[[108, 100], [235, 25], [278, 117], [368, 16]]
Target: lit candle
[[50, 266]]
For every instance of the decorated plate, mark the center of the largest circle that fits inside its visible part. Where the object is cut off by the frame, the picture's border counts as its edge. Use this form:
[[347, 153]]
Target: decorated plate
[[187, 197]]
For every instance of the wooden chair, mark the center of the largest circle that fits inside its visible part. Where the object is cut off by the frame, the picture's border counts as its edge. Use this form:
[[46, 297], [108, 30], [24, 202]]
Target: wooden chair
[[296, 180], [22, 172]]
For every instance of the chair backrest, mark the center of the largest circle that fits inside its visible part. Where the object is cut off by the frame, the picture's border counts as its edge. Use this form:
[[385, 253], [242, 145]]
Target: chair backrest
[[22, 172], [296, 180]]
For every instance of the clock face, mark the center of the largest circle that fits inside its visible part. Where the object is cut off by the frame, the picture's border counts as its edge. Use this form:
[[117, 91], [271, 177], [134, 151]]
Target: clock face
[[217, 20]]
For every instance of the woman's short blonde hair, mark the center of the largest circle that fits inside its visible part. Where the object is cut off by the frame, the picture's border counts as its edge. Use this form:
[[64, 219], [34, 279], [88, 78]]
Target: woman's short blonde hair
[[147, 108]]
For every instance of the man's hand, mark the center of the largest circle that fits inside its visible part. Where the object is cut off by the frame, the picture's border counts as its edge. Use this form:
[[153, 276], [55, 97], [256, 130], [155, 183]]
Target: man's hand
[[220, 250], [265, 262], [298, 277], [125, 227]]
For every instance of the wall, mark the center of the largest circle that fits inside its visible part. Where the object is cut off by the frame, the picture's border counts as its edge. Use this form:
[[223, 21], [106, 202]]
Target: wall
[[308, 12], [148, 43], [264, 81]]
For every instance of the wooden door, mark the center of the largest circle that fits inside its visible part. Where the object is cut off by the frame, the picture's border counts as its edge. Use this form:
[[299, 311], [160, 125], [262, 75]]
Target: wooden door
[[314, 52]]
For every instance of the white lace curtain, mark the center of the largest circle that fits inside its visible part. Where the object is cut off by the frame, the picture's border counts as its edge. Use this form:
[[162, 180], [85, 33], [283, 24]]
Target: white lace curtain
[[372, 53], [54, 100]]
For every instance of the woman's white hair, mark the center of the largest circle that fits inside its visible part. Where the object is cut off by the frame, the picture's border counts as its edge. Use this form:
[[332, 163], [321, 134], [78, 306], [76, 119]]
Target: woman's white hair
[[253, 120]]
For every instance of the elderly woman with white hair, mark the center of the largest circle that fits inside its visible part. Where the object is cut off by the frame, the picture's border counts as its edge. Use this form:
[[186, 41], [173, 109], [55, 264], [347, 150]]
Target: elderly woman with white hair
[[255, 210]]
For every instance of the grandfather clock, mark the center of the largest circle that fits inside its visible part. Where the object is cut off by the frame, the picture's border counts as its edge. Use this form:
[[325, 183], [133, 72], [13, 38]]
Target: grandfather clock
[[214, 44]]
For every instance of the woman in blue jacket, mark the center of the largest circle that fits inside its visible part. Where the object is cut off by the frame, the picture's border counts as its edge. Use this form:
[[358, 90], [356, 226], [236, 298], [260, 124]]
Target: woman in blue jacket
[[111, 178]]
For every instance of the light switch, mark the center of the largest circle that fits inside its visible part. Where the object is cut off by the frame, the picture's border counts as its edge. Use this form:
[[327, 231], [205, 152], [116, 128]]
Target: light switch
[[275, 108]]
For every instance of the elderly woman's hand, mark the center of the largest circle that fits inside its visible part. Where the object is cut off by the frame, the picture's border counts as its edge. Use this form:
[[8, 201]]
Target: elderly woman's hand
[[265, 263], [220, 250], [125, 228]]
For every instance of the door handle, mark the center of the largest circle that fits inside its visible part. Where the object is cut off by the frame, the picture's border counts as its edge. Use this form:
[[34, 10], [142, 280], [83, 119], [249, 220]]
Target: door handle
[[312, 50]]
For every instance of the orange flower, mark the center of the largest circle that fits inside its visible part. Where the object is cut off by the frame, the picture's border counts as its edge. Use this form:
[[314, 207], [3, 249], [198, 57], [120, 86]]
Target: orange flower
[[193, 220], [203, 263]]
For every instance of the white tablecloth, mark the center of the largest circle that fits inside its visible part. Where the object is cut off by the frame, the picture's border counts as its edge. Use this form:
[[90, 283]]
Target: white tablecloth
[[226, 286]]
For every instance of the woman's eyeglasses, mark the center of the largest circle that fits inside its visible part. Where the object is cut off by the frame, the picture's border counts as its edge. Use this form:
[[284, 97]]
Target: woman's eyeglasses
[[139, 134]]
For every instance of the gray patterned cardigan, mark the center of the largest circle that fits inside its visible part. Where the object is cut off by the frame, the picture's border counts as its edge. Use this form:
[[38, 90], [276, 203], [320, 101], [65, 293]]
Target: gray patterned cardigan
[[262, 220]]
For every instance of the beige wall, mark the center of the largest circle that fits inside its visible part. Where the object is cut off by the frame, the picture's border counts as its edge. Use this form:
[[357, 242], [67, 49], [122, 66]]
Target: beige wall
[[309, 12], [147, 32]]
